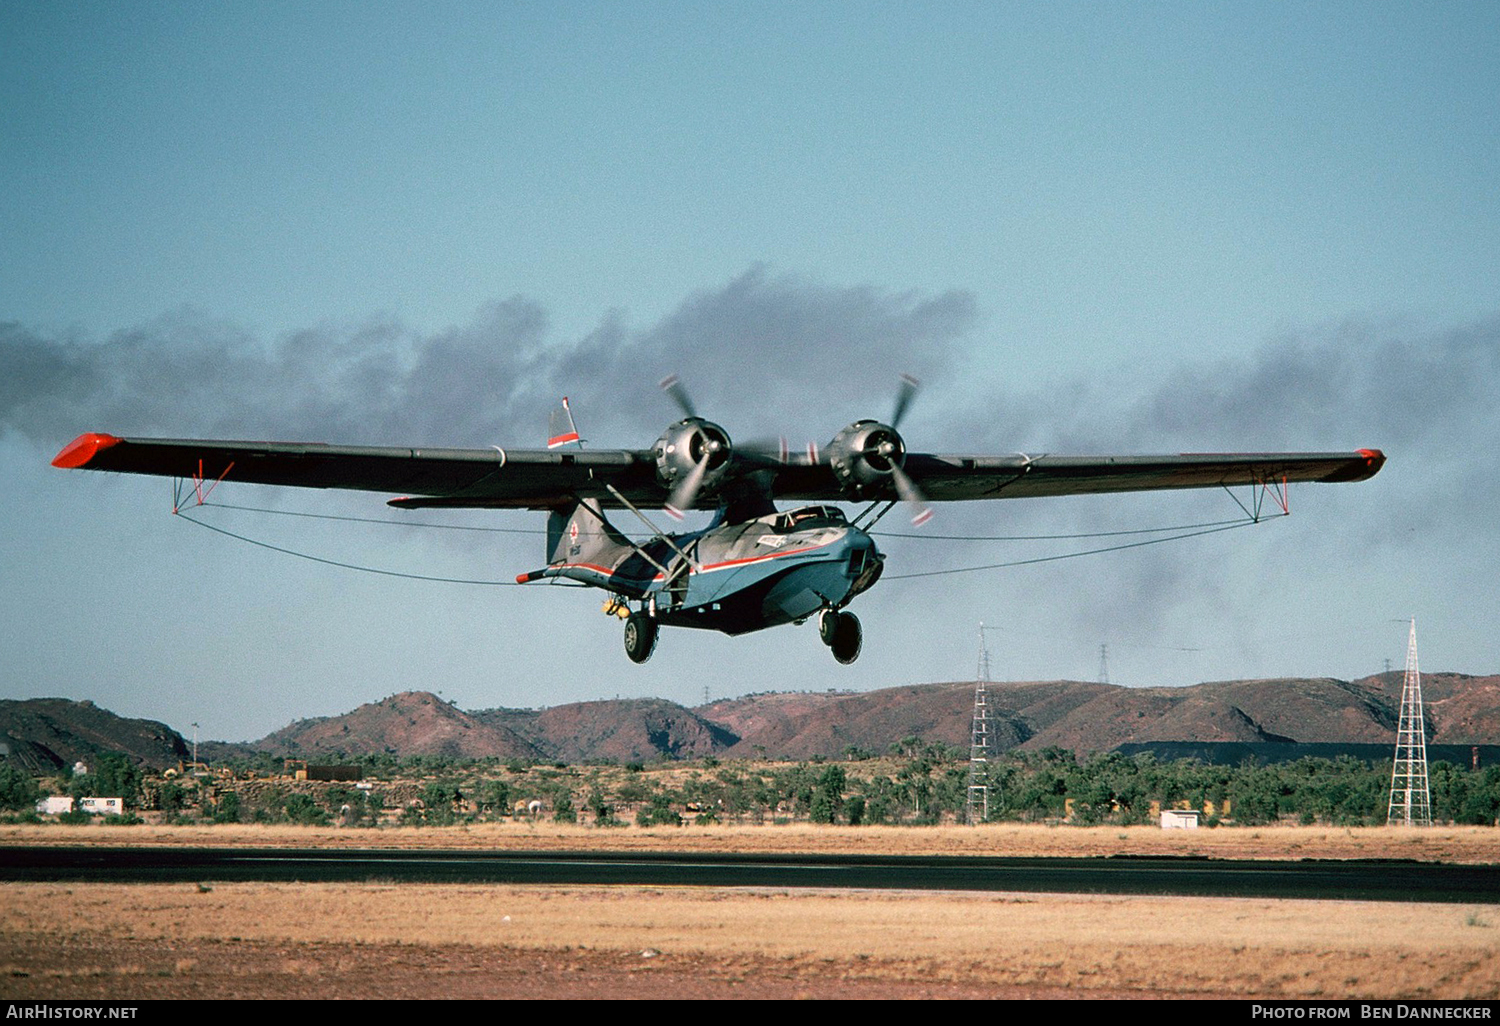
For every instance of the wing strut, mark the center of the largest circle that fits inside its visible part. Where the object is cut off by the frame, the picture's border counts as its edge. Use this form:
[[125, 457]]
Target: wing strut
[[1277, 490], [654, 529], [179, 494]]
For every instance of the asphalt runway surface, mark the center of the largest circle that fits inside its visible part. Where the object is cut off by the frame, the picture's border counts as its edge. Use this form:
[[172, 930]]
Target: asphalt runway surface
[[1365, 880]]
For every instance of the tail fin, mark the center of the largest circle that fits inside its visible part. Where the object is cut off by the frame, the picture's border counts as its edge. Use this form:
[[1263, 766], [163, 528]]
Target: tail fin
[[561, 430], [580, 534]]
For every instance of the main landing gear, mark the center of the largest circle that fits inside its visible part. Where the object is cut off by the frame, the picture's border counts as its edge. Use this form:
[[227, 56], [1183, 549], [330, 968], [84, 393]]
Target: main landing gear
[[841, 633], [640, 637]]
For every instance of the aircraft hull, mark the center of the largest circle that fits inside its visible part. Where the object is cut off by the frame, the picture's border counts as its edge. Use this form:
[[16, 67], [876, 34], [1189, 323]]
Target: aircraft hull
[[757, 593]]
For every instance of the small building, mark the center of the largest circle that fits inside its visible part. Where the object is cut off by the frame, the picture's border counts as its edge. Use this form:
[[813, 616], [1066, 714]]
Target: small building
[[103, 806], [1179, 819], [334, 773], [54, 805]]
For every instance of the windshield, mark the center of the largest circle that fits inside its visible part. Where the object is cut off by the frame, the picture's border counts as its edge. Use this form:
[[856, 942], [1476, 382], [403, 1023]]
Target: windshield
[[808, 516]]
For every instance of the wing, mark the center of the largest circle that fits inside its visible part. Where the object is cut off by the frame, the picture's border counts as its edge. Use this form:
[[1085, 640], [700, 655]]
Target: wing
[[950, 478], [479, 478], [540, 478], [1017, 476]]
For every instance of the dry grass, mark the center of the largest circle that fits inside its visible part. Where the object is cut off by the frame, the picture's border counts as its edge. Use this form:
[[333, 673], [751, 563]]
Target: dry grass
[[1089, 945], [416, 940]]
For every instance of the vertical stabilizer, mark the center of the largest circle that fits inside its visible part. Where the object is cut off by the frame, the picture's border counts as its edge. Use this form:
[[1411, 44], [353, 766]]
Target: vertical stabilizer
[[580, 534], [561, 431]]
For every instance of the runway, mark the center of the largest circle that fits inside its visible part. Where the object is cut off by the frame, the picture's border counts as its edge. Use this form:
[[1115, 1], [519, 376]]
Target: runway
[[1348, 880]]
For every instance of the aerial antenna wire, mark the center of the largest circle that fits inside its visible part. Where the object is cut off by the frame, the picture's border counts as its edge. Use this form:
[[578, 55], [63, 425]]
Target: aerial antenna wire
[[1087, 552], [1055, 537], [349, 566], [373, 520], [1185, 532], [881, 534]]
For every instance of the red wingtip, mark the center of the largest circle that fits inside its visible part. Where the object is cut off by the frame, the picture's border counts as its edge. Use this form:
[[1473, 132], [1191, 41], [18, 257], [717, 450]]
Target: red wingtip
[[81, 450]]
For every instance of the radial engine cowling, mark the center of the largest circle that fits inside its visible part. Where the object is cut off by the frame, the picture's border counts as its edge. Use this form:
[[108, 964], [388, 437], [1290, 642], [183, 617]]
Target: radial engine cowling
[[692, 449], [864, 456]]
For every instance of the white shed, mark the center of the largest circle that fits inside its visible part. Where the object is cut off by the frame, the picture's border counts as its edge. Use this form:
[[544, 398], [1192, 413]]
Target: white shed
[[1179, 819], [103, 806]]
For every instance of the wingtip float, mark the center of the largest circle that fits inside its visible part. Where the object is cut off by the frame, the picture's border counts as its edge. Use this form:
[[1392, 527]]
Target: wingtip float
[[1367, 467], [82, 450]]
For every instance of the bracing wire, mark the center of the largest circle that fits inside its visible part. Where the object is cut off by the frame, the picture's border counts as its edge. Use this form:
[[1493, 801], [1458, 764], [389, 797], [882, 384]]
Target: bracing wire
[[1226, 526], [924, 536], [348, 566], [1178, 533], [373, 520]]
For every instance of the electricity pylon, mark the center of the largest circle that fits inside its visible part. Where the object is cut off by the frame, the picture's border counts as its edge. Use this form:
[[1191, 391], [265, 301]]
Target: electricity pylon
[[979, 745], [1410, 799]]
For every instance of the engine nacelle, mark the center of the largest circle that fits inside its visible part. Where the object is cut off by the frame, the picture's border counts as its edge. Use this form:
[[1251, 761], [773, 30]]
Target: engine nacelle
[[686, 444], [864, 456]]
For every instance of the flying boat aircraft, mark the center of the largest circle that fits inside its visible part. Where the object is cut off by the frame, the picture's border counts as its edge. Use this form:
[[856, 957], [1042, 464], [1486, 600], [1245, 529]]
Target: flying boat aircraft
[[755, 566]]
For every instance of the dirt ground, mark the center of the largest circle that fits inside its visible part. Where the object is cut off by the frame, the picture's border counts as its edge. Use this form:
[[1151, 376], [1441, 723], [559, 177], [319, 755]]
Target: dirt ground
[[375, 940]]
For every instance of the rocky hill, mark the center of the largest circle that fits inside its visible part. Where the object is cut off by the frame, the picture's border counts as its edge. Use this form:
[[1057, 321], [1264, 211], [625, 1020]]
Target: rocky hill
[[622, 730], [1075, 715], [47, 734], [411, 723], [1082, 717]]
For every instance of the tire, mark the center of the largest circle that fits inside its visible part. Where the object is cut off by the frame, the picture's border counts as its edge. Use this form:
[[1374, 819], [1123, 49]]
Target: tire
[[828, 621], [640, 637], [847, 638]]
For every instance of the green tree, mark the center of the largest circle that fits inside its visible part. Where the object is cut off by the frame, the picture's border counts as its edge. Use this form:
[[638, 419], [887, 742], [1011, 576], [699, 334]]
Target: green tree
[[18, 789], [827, 800], [301, 808], [227, 808], [118, 777]]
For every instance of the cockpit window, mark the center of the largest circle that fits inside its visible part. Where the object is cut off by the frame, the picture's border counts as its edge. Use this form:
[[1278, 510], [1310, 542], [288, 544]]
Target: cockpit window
[[807, 516]]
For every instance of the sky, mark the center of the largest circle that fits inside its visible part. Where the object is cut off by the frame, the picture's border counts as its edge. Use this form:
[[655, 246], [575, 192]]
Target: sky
[[1091, 227]]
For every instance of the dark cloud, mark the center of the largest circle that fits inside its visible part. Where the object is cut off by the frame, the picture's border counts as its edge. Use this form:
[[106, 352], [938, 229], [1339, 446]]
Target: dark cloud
[[764, 353], [1425, 396], [770, 354]]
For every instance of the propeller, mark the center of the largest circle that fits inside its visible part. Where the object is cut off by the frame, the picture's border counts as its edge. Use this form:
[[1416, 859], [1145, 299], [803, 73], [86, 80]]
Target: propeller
[[904, 395], [672, 385], [686, 492], [867, 454], [911, 495], [689, 451], [905, 486], [693, 454]]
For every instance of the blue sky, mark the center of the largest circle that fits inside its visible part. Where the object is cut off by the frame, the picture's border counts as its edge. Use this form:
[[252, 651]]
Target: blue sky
[[1088, 227]]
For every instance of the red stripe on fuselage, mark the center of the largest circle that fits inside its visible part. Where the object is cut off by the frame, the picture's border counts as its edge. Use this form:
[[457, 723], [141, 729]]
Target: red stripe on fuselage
[[704, 569]]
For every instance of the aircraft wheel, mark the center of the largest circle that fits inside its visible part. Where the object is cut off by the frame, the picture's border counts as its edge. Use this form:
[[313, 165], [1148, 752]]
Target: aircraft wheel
[[640, 637], [847, 638], [828, 621]]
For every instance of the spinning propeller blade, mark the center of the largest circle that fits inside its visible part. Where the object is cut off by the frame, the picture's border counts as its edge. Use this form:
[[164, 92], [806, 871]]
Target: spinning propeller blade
[[672, 385], [904, 396], [686, 493], [905, 486]]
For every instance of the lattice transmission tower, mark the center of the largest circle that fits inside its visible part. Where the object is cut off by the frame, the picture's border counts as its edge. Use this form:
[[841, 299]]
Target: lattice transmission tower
[[979, 745], [1411, 803]]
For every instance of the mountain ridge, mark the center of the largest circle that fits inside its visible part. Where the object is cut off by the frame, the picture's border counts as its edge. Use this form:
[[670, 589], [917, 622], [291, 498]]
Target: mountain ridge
[[1461, 709]]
